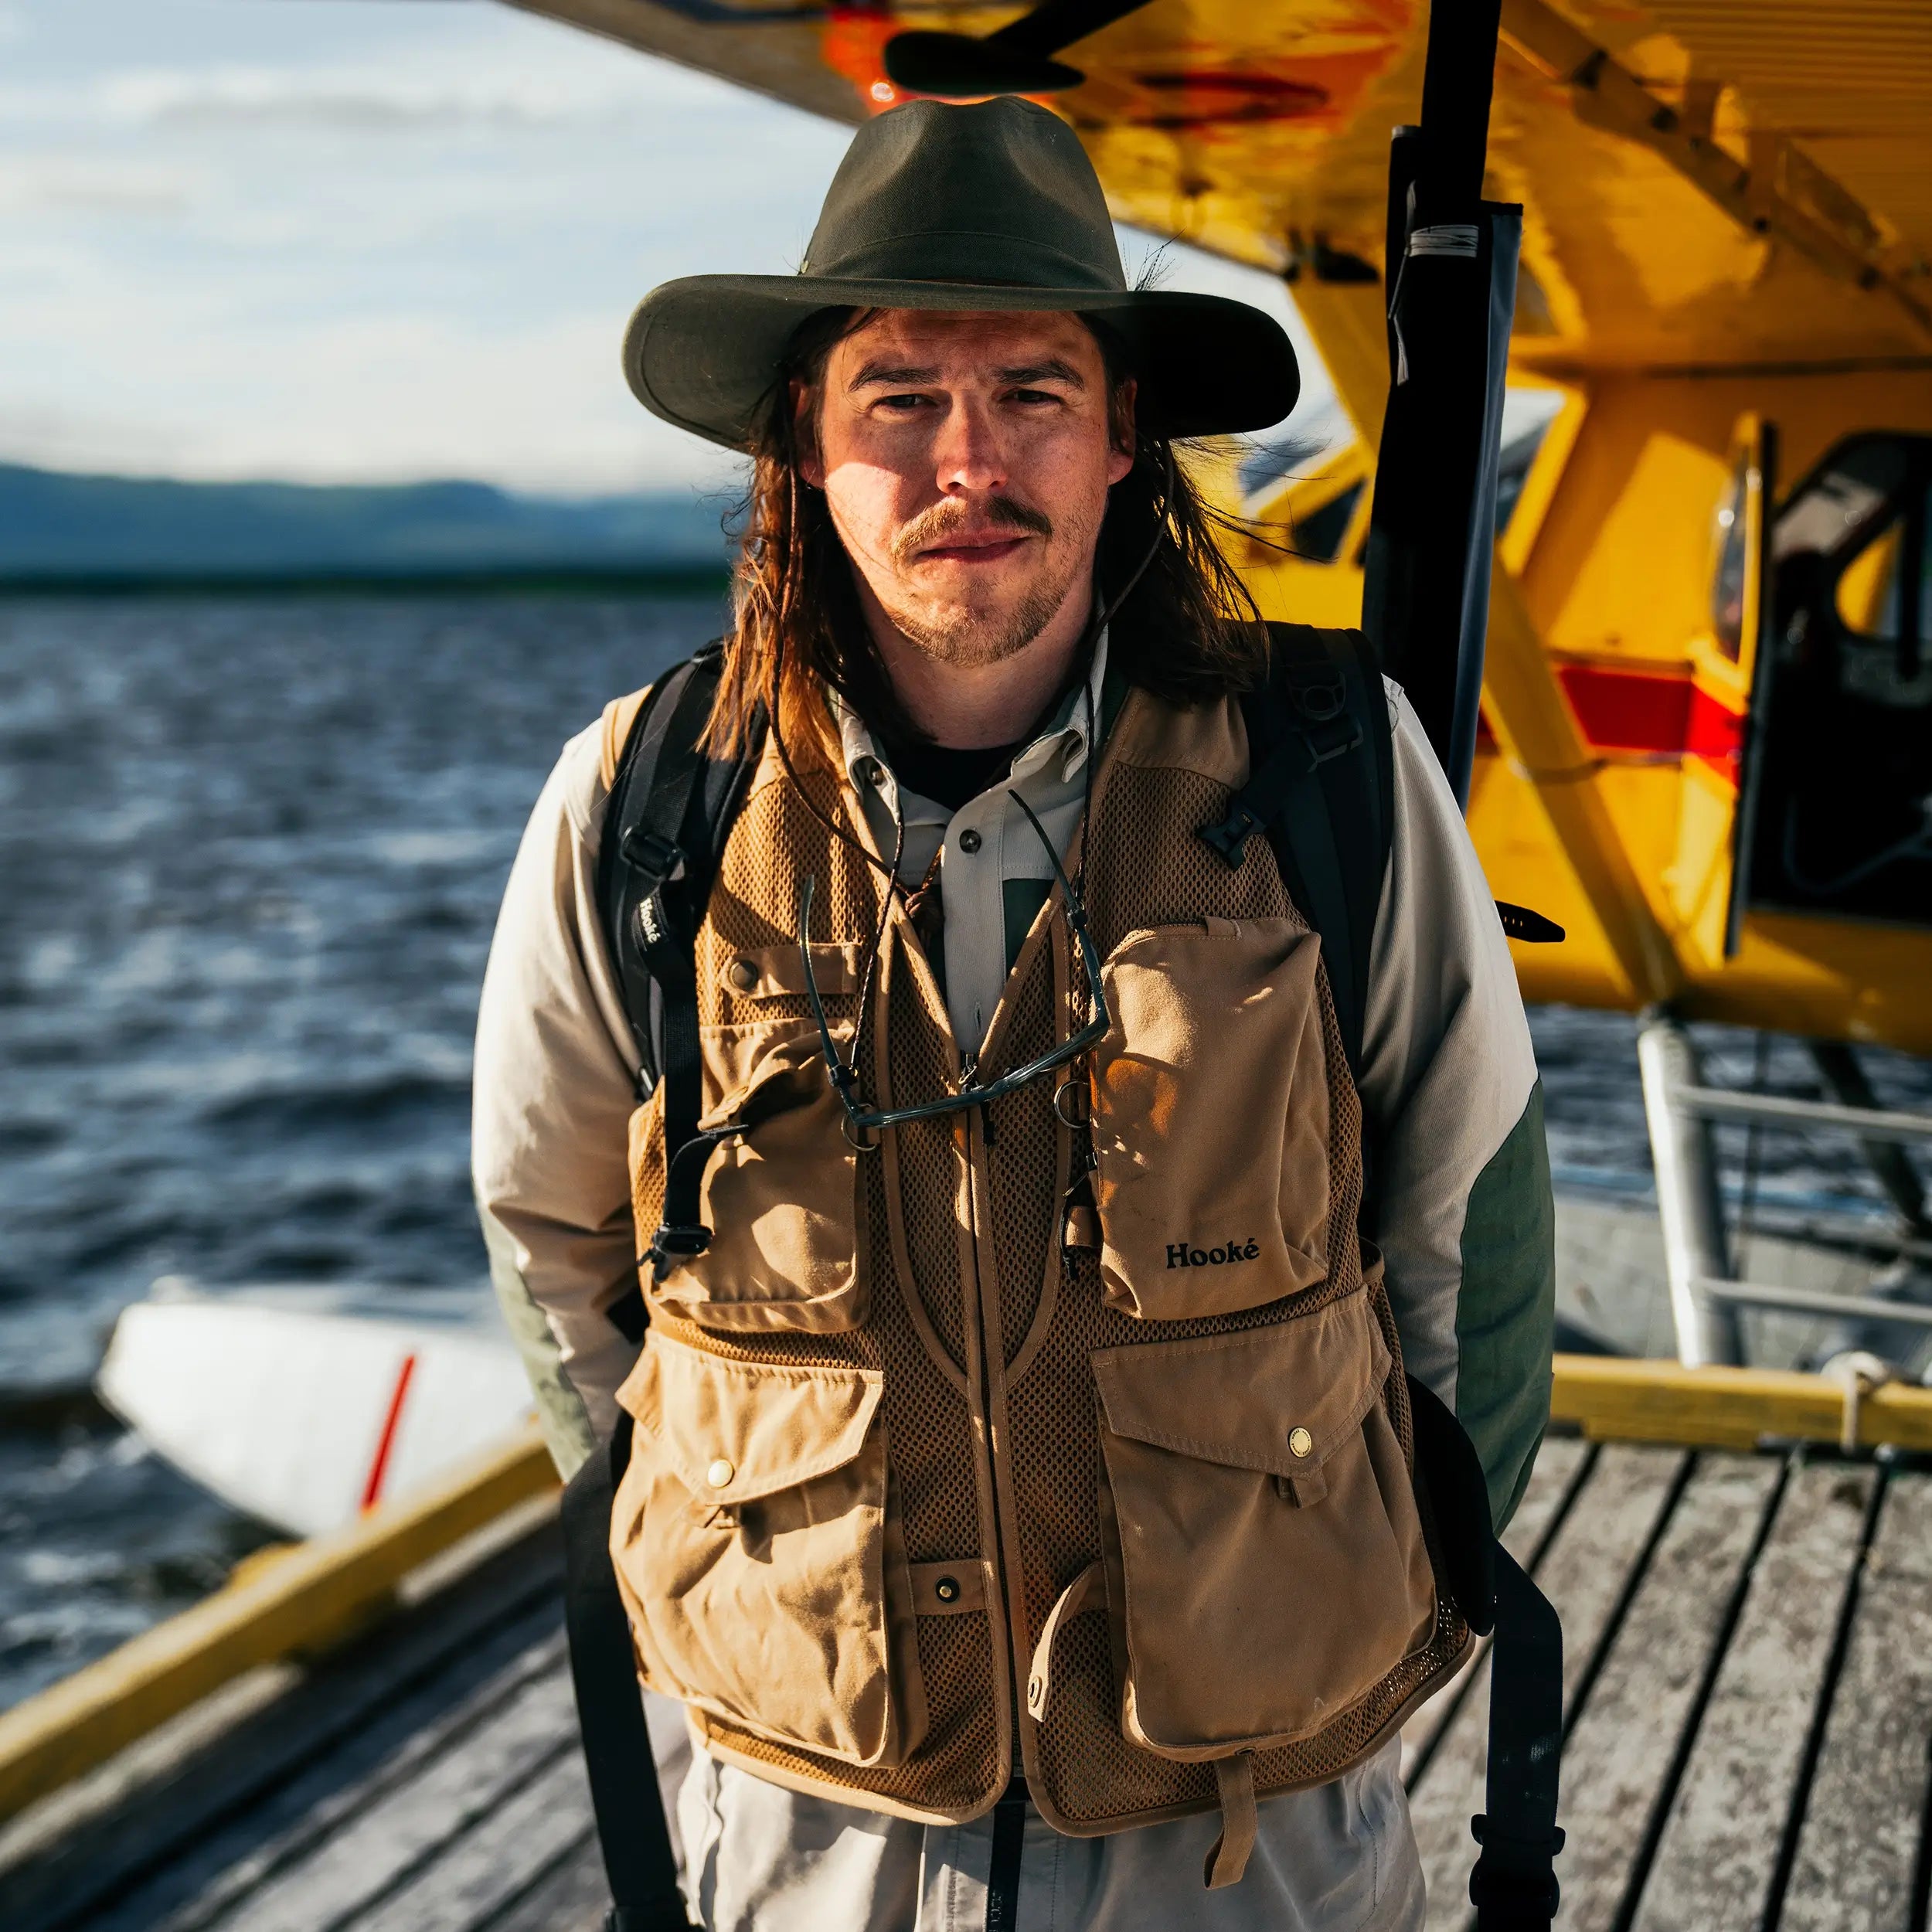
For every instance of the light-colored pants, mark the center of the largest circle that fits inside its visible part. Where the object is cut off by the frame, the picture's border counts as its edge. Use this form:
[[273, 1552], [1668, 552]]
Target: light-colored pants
[[759, 1859]]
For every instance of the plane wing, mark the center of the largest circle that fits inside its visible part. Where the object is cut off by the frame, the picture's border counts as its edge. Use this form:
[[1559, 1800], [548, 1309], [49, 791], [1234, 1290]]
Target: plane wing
[[1707, 183]]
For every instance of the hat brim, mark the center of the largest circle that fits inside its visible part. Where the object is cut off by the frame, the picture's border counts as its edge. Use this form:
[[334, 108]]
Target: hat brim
[[703, 352]]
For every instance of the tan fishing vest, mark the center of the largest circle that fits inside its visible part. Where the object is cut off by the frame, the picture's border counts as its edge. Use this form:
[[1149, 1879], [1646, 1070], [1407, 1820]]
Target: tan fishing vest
[[909, 1468]]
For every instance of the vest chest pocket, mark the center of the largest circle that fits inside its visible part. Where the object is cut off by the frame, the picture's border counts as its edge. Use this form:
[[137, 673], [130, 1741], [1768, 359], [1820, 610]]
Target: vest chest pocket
[[780, 1197], [760, 1555], [1264, 1559], [1211, 1117]]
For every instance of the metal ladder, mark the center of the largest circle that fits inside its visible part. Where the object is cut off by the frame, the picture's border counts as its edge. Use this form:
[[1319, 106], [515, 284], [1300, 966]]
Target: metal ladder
[[1705, 1293]]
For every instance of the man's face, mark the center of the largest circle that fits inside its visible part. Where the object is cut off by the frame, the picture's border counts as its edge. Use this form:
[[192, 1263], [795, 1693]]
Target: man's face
[[966, 459]]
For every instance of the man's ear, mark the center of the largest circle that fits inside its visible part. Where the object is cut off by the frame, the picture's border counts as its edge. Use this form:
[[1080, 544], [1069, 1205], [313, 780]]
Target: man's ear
[[804, 424], [1120, 424]]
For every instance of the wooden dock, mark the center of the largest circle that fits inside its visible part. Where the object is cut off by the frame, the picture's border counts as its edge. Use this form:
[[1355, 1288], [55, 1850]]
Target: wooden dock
[[1748, 1667]]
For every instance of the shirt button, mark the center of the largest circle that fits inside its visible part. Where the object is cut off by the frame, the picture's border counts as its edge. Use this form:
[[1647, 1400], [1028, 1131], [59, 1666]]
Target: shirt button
[[719, 1475], [870, 772], [1300, 1442], [969, 840]]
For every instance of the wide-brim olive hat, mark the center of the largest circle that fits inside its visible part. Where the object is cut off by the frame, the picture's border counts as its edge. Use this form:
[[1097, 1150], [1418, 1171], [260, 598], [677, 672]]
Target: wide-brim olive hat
[[991, 206]]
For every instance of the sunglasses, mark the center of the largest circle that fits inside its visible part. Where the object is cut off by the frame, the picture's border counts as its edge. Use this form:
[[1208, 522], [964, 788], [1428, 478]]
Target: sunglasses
[[862, 1119]]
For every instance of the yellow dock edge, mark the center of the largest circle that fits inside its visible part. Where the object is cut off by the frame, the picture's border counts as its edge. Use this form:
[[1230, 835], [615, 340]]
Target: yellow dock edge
[[1611, 1398], [323, 1589], [316, 1593]]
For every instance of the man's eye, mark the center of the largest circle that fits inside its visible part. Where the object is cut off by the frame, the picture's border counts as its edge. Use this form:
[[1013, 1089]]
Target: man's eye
[[907, 402], [1033, 396]]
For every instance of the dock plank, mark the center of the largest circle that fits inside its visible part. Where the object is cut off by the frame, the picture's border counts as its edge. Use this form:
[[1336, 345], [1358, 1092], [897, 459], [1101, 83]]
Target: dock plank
[[142, 1852], [1623, 1741], [1717, 1853], [499, 1861], [1853, 1870], [1584, 1573], [381, 1848], [572, 1898], [1560, 1463], [293, 1827]]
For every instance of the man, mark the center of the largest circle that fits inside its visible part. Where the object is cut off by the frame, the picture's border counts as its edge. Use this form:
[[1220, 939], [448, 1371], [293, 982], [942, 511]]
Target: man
[[1022, 1418]]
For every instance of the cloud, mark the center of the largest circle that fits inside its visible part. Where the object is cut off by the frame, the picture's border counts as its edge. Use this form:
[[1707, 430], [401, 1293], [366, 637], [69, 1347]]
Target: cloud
[[241, 100], [92, 184], [373, 242]]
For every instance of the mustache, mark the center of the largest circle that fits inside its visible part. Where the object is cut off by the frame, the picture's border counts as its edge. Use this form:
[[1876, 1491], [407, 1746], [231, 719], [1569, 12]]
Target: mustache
[[932, 528]]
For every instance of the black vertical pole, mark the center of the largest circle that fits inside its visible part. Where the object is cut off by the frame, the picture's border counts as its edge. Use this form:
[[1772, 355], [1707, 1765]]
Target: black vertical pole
[[1451, 264]]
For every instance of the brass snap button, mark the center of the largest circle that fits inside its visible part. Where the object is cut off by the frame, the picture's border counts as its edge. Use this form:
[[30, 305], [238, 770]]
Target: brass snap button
[[719, 1475], [946, 1590], [1300, 1442], [743, 974], [969, 840], [870, 771]]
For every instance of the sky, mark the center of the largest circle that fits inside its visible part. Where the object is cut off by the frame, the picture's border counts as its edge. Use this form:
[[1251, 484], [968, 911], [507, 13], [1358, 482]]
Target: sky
[[382, 240]]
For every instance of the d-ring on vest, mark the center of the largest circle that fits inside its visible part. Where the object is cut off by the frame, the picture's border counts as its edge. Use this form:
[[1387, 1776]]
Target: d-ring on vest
[[1320, 792]]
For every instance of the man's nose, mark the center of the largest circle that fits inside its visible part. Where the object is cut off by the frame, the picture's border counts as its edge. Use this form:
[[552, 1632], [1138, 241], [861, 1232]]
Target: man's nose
[[969, 456]]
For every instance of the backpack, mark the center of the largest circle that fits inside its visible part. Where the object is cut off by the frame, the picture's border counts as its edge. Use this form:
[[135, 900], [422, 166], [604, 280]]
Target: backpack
[[1320, 790]]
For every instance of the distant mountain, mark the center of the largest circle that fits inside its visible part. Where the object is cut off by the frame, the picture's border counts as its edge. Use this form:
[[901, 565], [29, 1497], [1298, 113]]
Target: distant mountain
[[60, 527]]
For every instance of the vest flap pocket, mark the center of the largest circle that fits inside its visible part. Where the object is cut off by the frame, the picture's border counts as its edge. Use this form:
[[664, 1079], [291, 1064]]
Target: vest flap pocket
[[757, 1542], [735, 1431], [1280, 1399], [1265, 1564], [779, 1197], [1211, 1117]]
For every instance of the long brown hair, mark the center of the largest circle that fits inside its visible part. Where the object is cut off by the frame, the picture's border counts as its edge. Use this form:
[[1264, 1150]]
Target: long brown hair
[[1188, 630]]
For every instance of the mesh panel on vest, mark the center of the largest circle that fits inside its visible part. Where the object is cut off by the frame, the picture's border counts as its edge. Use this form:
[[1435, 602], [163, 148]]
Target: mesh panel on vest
[[926, 1156], [1023, 1166], [1145, 867]]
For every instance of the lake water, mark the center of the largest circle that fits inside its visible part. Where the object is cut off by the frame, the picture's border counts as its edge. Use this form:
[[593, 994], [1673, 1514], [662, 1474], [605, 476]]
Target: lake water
[[250, 855]]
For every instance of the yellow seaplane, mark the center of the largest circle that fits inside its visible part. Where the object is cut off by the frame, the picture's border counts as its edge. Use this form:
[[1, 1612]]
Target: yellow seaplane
[[1703, 745]]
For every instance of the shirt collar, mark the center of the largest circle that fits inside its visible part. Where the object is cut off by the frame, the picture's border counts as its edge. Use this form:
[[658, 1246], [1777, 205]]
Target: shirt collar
[[1066, 737]]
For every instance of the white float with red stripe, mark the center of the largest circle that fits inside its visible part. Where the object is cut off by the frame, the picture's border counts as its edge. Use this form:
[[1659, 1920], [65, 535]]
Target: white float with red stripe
[[303, 1415]]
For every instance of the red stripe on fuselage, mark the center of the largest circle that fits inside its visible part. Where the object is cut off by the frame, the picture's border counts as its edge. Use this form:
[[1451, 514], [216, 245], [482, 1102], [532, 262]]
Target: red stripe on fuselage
[[1660, 713]]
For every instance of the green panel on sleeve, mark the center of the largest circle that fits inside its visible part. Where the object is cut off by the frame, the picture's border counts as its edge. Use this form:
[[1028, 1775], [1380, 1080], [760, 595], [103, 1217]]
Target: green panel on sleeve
[[560, 1412], [1506, 1313]]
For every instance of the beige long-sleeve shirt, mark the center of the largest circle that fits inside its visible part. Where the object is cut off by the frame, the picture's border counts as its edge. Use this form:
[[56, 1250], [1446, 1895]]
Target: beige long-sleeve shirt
[[1449, 1079]]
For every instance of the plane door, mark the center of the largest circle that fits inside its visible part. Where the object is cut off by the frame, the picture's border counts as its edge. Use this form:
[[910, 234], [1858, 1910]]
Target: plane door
[[1835, 812]]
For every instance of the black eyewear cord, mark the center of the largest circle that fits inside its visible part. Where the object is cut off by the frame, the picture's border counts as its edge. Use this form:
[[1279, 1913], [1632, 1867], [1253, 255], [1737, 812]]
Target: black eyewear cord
[[862, 1120]]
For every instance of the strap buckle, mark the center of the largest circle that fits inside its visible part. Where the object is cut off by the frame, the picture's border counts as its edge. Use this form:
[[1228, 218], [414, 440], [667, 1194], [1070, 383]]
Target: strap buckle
[[670, 1245], [1320, 698], [1513, 1883], [649, 853], [1334, 736], [1230, 837]]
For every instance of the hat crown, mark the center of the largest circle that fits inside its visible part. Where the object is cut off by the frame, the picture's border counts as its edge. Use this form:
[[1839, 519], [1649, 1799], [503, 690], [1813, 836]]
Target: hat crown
[[998, 192]]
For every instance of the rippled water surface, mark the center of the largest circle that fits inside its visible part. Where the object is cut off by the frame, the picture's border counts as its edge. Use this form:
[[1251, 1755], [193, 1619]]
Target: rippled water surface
[[251, 854]]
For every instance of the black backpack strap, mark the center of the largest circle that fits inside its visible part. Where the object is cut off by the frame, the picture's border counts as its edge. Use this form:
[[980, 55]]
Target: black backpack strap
[[624, 1793], [1321, 787], [1513, 1886], [670, 812]]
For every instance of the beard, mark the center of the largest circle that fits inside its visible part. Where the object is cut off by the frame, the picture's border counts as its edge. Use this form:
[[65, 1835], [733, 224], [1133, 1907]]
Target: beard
[[970, 635]]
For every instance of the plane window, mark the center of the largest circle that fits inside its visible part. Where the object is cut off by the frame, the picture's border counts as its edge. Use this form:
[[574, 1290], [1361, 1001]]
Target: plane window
[[1883, 603], [1868, 593], [1319, 536], [1728, 577], [1843, 815]]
